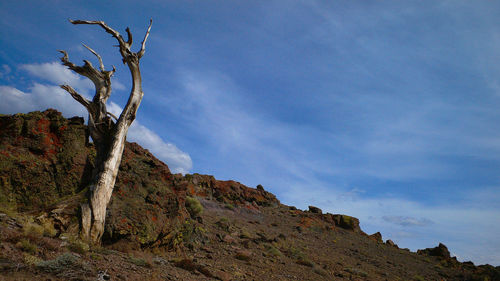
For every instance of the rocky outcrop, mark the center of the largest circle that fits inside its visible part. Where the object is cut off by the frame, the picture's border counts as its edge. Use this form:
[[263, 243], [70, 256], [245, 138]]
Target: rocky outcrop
[[231, 192], [46, 164], [389, 242], [440, 251], [44, 158], [315, 210], [347, 222], [377, 237]]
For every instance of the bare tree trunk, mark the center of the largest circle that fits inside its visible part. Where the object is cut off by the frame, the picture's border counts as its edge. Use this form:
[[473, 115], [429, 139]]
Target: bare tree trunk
[[109, 137]]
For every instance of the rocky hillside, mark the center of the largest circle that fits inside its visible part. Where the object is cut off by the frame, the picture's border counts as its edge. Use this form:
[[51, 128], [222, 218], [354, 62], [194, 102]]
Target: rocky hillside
[[162, 226]]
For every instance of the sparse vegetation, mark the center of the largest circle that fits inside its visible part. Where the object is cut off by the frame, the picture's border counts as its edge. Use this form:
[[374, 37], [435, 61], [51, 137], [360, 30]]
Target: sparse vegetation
[[30, 259], [60, 263], [418, 278], [244, 234], [188, 234], [299, 256], [273, 251], [45, 228], [78, 246], [193, 206], [319, 270], [224, 224], [243, 255], [25, 245], [356, 271], [139, 262]]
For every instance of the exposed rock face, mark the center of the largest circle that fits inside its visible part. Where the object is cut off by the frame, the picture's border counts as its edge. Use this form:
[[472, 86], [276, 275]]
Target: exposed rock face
[[439, 251], [43, 159], [225, 191]]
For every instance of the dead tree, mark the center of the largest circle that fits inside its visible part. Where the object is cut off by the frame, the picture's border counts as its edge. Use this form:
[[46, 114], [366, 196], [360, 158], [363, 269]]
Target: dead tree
[[107, 134]]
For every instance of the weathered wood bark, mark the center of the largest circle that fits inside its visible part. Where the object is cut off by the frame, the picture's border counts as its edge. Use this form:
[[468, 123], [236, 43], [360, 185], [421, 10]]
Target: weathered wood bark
[[108, 136]]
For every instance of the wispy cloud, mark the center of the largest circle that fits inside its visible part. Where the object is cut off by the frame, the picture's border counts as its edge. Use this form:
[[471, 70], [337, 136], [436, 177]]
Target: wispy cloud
[[407, 221]]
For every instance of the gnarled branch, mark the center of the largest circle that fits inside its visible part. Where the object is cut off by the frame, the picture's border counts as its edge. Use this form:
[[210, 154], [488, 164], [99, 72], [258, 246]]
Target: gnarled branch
[[86, 70], [79, 98], [97, 55], [108, 29], [129, 35], [143, 44], [112, 115]]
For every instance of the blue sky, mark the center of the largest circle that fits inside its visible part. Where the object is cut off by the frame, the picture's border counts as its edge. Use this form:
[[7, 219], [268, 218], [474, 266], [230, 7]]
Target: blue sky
[[384, 110]]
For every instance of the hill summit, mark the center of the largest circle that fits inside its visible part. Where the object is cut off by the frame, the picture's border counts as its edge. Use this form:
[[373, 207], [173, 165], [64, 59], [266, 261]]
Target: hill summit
[[164, 226]]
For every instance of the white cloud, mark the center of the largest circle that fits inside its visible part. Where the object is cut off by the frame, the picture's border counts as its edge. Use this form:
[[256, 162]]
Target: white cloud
[[58, 74], [41, 97], [177, 160]]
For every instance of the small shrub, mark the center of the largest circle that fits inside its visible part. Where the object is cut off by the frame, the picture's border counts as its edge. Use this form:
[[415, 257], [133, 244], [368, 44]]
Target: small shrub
[[244, 234], [357, 271], [299, 256], [34, 229], [193, 206], [418, 278], [229, 206], [319, 270], [273, 251], [224, 224], [27, 246], [305, 261], [48, 229], [243, 255], [139, 262], [186, 264], [188, 234], [95, 257], [78, 246], [30, 259], [59, 264], [45, 228]]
